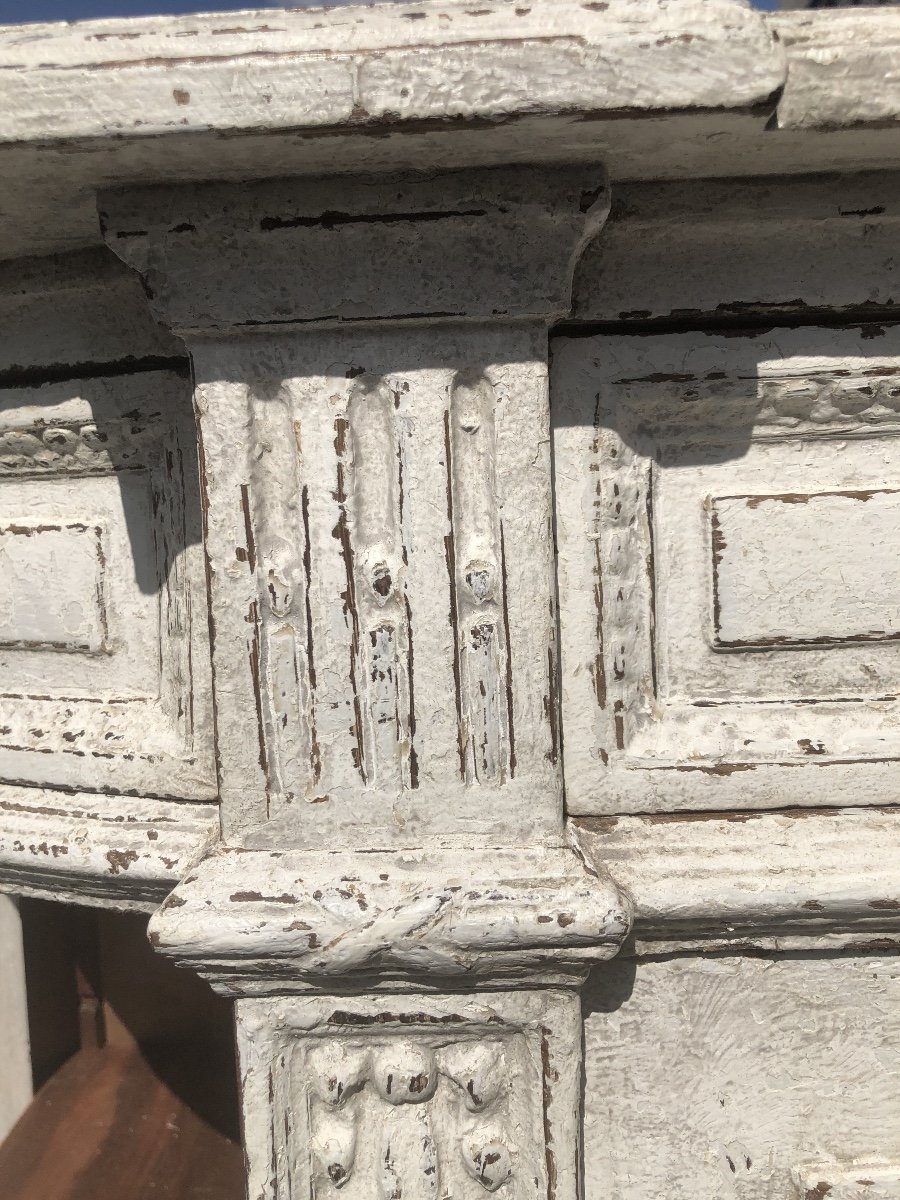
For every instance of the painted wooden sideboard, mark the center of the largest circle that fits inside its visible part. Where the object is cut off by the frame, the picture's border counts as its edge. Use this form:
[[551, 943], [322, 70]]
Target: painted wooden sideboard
[[448, 547]]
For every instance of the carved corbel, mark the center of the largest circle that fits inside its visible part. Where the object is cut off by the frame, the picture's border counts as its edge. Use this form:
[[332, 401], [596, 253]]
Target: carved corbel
[[394, 904]]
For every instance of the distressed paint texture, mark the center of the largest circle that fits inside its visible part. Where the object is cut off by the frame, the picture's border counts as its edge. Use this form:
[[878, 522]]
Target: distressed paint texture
[[103, 640], [377, 493], [398, 907], [724, 511], [799, 878], [114, 851], [428, 86], [412, 1096], [360, 604], [289, 921], [746, 249], [738, 1078], [371, 390]]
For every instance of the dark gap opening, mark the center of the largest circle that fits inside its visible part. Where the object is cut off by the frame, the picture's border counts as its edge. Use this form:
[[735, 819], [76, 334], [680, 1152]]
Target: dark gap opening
[[133, 1065]]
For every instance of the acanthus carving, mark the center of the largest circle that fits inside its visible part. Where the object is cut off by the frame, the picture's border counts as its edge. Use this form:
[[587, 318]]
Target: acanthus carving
[[389, 1092], [412, 1097]]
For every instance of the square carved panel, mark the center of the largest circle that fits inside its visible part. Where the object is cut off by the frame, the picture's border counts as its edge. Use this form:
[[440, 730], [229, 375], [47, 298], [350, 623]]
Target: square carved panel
[[103, 639], [428, 1096], [729, 531]]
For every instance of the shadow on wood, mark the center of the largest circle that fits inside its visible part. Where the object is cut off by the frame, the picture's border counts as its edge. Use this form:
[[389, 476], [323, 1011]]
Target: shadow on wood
[[109, 1124]]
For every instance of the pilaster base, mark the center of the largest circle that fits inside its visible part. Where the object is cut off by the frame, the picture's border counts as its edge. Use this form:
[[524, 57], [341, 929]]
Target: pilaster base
[[412, 1096]]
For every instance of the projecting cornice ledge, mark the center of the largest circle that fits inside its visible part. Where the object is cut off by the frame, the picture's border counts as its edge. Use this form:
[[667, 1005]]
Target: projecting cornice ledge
[[383, 65], [258, 922]]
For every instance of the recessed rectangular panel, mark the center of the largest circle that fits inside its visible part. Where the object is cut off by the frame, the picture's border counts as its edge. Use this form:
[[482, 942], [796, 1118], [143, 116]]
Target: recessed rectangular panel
[[728, 522], [53, 587], [800, 569], [104, 675]]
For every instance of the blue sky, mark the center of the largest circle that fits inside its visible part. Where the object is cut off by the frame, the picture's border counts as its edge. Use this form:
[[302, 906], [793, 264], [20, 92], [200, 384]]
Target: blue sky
[[14, 12]]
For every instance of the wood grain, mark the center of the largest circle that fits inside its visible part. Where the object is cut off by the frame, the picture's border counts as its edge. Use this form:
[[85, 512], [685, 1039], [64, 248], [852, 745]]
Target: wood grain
[[158, 1123]]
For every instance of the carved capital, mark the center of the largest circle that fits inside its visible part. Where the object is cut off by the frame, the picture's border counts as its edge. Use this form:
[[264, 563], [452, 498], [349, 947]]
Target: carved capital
[[377, 494], [489, 244], [370, 366]]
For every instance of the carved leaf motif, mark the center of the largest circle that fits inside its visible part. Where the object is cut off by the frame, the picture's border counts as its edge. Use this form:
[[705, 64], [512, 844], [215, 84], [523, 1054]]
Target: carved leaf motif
[[479, 1070], [337, 1072], [409, 1160], [487, 1159], [405, 1074], [334, 1146]]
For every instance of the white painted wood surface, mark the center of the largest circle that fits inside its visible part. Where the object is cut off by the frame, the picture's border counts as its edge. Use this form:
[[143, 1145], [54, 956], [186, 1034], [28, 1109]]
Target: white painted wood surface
[[15, 1078], [377, 494], [277, 922], [106, 681], [398, 904], [114, 851], [711, 659], [70, 314], [743, 250], [432, 86], [833, 64], [799, 878], [419, 1096], [734, 1078], [371, 387]]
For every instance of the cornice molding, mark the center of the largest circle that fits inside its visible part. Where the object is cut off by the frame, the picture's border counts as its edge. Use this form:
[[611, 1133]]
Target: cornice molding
[[382, 66], [111, 851], [797, 879]]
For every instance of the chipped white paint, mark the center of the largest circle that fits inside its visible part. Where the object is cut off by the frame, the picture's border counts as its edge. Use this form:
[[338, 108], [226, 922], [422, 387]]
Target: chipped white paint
[[102, 639], [308, 69], [738, 1078], [721, 647], [463, 1095], [798, 878], [431, 86], [833, 66], [380, 657], [371, 387], [740, 248], [285, 920], [378, 496], [861, 1181], [112, 851], [15, 1078], [364, 88], [397, 905]]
